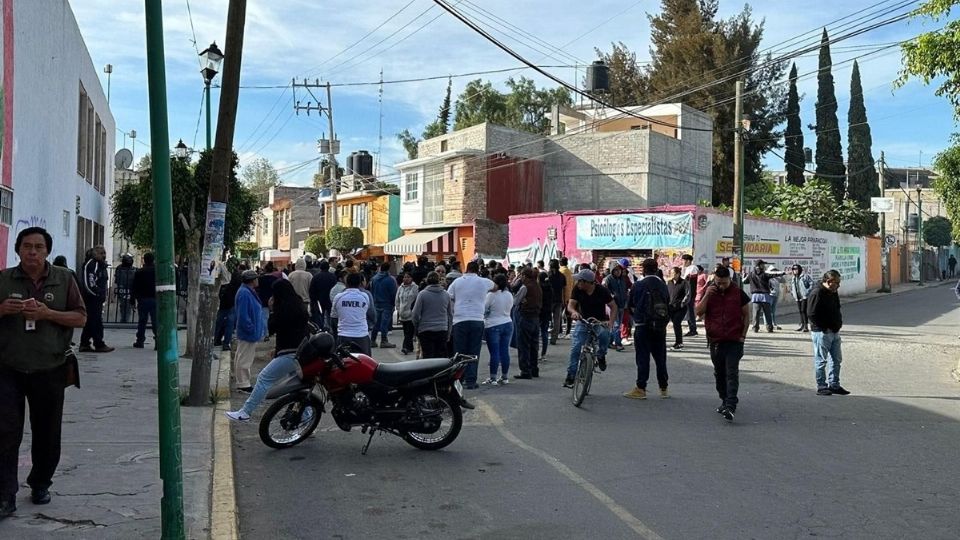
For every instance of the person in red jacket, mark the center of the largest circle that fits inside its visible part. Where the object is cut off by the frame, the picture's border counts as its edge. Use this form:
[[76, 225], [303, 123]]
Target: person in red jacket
[[725, 309]]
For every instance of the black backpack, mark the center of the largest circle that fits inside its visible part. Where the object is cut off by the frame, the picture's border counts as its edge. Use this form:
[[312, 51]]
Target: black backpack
[[658, 310]]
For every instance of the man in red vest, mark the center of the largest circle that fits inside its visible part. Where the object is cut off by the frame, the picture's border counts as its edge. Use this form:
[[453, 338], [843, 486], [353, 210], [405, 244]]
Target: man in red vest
[[725, 309]]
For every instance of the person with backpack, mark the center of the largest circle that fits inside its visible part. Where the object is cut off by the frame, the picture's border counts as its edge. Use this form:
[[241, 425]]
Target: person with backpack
[[649, 301]]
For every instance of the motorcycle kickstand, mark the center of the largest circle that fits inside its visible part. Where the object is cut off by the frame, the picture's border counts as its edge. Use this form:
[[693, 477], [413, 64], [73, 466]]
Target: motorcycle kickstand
[[373, 431]]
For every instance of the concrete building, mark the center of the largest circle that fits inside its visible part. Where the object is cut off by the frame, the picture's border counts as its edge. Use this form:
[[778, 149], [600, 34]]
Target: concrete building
[[284, 223], [367, 205], [458, 195], [780, 177], [57, 143]]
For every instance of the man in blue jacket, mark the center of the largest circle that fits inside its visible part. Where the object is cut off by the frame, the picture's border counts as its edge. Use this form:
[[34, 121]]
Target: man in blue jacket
[[250, 329], [384, 289]]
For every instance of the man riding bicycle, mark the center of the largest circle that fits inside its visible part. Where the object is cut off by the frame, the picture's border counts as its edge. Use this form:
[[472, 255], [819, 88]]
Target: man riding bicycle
[[589, 300]]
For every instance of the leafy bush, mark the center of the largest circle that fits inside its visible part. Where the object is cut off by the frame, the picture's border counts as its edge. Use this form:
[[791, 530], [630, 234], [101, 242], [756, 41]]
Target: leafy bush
[[344, 239]]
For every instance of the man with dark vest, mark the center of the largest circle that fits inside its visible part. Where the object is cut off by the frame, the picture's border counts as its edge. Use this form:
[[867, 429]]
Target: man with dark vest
[[725, 309], [40, 305]]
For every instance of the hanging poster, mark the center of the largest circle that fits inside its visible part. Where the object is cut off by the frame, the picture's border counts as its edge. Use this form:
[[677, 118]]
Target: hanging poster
[[635, 231], [213, 241]]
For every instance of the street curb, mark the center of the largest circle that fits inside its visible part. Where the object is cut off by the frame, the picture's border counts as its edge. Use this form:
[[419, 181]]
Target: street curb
[[223, 505]]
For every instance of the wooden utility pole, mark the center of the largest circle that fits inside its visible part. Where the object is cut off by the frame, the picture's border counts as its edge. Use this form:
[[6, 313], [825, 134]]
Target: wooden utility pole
[[331, 146], [738, 247], [208, 300], [885, 249]]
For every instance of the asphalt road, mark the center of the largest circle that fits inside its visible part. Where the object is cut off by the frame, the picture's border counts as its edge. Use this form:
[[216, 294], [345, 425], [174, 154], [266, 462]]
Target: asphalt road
[[880, 463]]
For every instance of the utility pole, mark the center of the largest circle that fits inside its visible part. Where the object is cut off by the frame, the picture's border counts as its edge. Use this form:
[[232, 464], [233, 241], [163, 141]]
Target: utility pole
[[108, 69], [168, 382], [208, 299], [738, 247], [885, 249], [331, 146], [919, 232]]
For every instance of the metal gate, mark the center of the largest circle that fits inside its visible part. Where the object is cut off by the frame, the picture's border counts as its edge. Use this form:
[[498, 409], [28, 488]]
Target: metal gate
[[118, 311]]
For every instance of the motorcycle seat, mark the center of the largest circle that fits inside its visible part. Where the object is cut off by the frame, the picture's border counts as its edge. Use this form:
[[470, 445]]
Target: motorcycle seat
[[401, 373]]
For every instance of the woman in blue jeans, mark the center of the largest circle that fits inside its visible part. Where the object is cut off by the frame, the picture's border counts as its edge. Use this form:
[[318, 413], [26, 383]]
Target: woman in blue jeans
[[289, 322], [498, 329]]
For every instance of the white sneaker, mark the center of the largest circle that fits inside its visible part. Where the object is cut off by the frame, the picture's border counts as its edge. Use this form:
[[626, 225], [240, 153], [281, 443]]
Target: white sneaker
[[503, 381], [488, 381], [238, 416]]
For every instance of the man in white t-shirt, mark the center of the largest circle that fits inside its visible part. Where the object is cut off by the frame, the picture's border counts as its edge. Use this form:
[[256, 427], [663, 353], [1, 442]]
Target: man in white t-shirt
[[468, 294], [353, 309], [689, 273]]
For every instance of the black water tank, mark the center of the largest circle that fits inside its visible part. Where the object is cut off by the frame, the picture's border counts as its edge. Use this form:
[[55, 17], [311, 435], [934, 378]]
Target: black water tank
[[598, 77], [363, 163], [348, 166]]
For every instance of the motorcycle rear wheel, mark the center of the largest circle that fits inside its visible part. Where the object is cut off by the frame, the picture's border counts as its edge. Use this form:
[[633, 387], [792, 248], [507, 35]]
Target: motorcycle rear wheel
[[288, 408], [449, 428]]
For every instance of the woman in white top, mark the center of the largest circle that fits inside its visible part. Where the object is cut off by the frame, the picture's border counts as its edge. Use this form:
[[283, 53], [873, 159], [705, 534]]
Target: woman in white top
[[498, 327]]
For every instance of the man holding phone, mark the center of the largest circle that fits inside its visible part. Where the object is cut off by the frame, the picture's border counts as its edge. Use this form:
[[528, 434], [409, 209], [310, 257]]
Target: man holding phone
[[40, 305]]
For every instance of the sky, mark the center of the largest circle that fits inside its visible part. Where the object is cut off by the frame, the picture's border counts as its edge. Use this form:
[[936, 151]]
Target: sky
[[343, 41]]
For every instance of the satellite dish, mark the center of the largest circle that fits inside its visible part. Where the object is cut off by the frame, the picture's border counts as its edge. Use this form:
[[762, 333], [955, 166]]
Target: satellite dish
[[123, 159]]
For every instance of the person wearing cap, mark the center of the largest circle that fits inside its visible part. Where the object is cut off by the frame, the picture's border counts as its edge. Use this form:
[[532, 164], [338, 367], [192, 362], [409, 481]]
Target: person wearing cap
[[759, 281], [251, 328], [616, 283], [589, 300], [690, 273], [801, 285]]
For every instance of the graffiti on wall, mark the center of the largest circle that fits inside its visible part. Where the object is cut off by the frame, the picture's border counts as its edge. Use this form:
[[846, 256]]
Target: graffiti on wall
[[31, 221], [537, 251]]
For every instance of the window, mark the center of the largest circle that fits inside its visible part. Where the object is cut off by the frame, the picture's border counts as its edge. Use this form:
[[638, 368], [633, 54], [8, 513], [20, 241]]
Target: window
[[66, 223], [433, 196], [6, 206], [443, 145], [360, 213], [103, 160], [82, 133], [90, 141], [97, 173], [411, 187], [344, 211]]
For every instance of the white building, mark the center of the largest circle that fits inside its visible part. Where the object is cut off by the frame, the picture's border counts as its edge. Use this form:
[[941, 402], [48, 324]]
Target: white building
[[57, 132]]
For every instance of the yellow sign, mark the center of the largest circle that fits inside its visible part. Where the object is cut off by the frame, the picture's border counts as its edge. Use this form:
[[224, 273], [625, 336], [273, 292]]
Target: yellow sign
[[752, 248]]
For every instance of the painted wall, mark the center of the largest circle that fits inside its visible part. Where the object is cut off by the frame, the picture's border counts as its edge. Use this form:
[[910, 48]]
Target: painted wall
[[45, 61], [783, 244]]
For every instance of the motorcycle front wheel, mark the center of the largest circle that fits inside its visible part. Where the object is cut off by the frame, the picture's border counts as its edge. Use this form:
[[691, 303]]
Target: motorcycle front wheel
[[451, 422], [290, 420]]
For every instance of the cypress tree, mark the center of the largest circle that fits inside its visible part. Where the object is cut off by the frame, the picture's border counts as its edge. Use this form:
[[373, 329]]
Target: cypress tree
[[862, 177], [793, 158], [829, 155]]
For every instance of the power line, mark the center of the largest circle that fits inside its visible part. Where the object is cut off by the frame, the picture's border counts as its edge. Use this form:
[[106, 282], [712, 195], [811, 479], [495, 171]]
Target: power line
[[199, 116], [262, 120]]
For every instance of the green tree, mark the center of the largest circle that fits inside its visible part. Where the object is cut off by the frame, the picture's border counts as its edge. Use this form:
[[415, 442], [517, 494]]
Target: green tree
[[689, 44], [443, 118], [947, 183], [829, 155], [132, 206], [322, 179], [937, 231], [862, 181], [794, 159], [316, 244], [935, 55], [409, 142], [478, 103], [344, 239], [524, 107], [259, 176], [813, 204]]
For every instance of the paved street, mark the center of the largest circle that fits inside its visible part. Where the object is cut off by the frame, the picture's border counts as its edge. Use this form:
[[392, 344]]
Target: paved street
[[880, 463]]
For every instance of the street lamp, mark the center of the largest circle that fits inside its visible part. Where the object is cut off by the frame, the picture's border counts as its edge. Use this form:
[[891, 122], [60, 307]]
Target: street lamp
[[211, 56], [181, 150]]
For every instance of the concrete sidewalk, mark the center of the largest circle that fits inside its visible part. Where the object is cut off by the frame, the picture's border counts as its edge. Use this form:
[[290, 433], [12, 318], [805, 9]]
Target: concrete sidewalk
[[108, 482]]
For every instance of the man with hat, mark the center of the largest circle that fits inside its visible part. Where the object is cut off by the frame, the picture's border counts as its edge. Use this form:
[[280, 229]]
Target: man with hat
[[251, 328], [589, 300]]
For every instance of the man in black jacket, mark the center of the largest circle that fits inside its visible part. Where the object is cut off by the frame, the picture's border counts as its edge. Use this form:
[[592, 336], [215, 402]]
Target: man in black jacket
[[320, 286], [94, 288], [823, 311], [679, 301], [144, 294]]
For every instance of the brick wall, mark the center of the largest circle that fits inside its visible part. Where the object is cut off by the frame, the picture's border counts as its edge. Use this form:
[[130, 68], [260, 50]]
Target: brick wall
[[490, 238]]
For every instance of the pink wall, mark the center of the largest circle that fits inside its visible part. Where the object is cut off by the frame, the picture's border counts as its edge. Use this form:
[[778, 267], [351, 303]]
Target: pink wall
[[6, 160]]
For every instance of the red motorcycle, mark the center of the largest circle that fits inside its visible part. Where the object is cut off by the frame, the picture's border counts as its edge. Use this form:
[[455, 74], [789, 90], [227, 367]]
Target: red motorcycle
[[417, 400]]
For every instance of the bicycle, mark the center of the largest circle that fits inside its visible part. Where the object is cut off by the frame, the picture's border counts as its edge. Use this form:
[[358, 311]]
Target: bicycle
[[587, 364]]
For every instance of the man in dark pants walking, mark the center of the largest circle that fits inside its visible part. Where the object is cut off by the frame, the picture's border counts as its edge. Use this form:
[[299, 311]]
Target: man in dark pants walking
[[41, 305], [145, 297], [529, 301], [650, 336], [680, 300], [725, 309]]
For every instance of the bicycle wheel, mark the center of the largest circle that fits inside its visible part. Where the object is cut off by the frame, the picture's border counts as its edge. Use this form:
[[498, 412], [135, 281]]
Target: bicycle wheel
[[581, 384]]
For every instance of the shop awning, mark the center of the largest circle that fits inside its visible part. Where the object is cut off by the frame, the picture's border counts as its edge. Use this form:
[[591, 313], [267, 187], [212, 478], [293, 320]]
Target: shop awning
[[419, 242]]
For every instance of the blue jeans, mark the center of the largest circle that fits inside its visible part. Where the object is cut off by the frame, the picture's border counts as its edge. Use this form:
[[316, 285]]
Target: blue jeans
[[226, 322], [277, 369], [615, 333], [773, 309], [498, 343], [146, 307], [384, 322], [467, 339], [826, 344], [266, 321], [580, 335]]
